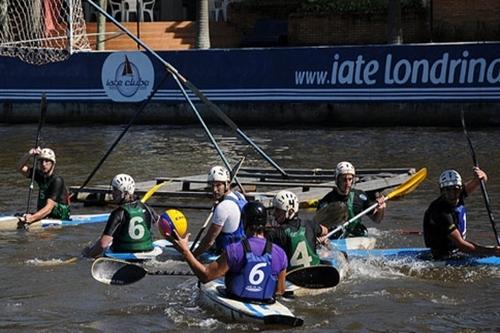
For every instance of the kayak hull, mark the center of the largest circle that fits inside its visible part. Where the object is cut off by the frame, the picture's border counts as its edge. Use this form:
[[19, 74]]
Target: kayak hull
[[10, 223], [424, 254], [212, 295]]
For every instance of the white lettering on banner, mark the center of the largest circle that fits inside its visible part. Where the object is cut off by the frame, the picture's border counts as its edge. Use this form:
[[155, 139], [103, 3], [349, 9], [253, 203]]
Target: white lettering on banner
[[359, 71]]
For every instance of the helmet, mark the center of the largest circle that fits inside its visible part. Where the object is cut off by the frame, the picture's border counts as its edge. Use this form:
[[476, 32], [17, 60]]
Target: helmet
[[124, 183], [254, 213], [171, 220], [286, 200], [47, 154], [343, 168], [450, 178], [218, 174]]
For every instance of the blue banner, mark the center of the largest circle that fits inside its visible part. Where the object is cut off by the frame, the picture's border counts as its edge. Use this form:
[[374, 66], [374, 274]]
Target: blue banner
[[405, 73]]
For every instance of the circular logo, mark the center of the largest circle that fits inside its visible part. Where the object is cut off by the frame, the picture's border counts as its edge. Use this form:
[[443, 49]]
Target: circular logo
[[363, 197], [127, 76]]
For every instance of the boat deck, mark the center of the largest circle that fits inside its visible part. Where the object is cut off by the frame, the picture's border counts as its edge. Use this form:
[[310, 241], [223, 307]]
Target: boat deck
[[258, 183]]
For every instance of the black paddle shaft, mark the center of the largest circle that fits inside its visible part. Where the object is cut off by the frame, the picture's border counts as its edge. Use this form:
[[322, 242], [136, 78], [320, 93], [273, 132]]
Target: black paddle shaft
[[483, 185], [43, 111]]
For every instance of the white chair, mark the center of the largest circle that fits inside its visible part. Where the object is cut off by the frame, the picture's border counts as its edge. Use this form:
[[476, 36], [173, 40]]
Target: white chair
[[116, 7], [145, 9], [129, 6], [215, 8]]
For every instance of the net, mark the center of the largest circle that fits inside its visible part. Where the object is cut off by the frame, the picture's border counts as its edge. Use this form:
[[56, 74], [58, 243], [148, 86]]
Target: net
[[42, 31]]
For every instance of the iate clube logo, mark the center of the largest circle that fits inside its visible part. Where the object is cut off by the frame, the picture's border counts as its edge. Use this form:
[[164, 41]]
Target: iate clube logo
[[127, 76]]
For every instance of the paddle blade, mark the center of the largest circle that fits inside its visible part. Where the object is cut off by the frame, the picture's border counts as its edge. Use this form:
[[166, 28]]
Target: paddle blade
[[283, 320], [314, 277], [116, 272], [409, 185], [153, 190]]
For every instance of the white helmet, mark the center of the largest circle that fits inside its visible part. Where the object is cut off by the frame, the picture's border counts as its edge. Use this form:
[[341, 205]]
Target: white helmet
[[287, 201], [218, 174], [124, 183], [47, 154], [450, 178], [343, 168]]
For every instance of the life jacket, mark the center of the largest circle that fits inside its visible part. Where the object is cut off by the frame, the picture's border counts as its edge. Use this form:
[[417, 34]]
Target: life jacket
[[461, 214], [61, 210], [302, 254], [134, 235], [355, 228], [255, 280], [226, 238]]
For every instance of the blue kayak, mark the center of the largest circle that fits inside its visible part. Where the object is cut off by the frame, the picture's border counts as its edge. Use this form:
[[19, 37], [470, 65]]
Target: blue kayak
[[422, 253]]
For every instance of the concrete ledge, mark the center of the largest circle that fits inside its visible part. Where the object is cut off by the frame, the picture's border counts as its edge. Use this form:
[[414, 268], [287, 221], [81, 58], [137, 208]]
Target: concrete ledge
[[260, 114]]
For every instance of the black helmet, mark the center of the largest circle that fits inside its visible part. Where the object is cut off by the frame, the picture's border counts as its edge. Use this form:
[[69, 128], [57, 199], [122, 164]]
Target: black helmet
[[254, 213]]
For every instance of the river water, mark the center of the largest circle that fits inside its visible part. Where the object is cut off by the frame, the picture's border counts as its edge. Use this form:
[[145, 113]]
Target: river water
[[39, 293]]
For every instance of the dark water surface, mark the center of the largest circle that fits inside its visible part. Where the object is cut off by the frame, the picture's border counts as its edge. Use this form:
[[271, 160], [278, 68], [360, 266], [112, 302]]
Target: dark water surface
[[38, 294]]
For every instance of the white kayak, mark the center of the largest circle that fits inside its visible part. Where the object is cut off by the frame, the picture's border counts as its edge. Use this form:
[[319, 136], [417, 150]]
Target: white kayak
[[213, 295], [10, 223], [354, 243]]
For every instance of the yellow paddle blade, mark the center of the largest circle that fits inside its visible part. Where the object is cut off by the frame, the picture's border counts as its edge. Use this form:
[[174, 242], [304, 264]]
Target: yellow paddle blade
[[409, 185], [153, 190]]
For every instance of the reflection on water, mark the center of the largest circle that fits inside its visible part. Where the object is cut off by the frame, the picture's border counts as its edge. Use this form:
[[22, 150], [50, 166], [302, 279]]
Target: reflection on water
[[41, 293]]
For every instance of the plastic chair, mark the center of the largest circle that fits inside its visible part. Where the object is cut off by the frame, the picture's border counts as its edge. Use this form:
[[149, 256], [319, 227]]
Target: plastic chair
[[116, 7], [215, 7], [129, 6], [145, 9]]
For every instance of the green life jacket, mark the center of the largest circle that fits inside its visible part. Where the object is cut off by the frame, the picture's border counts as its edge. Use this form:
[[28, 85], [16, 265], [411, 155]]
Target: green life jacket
[[302, 253], [134, 235], [60, 210], [355, 228]]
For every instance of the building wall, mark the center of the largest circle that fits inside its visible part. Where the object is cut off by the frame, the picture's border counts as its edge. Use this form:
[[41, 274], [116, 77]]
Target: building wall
[[466, 20], [353, 29], [441, 21]]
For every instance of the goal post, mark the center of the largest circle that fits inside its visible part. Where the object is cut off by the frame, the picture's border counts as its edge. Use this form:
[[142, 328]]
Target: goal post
[[42, 31]]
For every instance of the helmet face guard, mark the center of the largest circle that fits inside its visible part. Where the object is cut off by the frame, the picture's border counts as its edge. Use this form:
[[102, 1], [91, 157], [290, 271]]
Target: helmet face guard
[[288, 202], [344, 168]]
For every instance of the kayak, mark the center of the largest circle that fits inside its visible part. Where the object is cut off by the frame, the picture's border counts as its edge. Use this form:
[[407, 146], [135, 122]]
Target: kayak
[[148, 255], [9, 223], [213, 295], [161, 247], [354, 243], [424, 254]]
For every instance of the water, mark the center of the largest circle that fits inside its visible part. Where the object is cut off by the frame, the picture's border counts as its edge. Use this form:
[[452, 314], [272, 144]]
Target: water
[[39, 293]]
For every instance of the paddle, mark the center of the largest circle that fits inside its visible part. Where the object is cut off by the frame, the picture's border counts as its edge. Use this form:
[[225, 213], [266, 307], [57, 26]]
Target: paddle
[[482, 183], [153, 190], [314, 277], [178, 78], [234, 172], [43, 112], [406, 187], [120, 272]]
